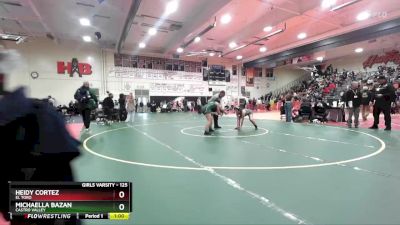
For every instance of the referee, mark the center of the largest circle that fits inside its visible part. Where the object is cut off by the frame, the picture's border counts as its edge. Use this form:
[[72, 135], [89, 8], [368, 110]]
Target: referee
[[384, 97], [217, 98]]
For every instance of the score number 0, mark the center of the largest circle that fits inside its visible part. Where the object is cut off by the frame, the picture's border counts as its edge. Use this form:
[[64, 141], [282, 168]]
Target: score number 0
[[121, 195], [121, 206]]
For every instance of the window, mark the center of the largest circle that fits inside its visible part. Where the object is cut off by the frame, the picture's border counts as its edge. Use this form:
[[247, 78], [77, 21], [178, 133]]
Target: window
[[258, 72], [269, 72], [234, 70]]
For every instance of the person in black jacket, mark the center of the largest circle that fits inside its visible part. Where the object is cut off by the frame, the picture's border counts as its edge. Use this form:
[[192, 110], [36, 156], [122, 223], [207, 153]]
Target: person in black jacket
[[383, 98], [108, 106], [366, 97], [87, 102], [353, 103], [122, 107]]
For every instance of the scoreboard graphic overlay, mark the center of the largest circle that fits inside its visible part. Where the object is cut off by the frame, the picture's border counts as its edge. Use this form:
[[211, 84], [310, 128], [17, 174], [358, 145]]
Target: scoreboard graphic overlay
[[70, 200]]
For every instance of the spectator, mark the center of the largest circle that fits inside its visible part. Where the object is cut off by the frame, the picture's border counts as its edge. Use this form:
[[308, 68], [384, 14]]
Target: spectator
[[353, 102], [288, 107], [366, 97], [148, 106], [198, 106], [122, 107], [87, 102], [108, 106], [141, 106], [153, 106], [52, 101], [131, 108]]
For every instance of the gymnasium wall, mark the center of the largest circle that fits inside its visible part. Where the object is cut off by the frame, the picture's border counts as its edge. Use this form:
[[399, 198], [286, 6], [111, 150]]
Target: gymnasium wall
[[41, 56], [355, 62]]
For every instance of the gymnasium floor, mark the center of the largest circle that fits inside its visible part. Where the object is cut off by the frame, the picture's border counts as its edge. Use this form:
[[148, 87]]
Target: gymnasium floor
[[283, 173]]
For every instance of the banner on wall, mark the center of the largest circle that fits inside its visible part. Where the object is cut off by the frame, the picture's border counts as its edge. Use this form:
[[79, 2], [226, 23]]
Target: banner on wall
[[74, 68], [250, 77], [392, 56]]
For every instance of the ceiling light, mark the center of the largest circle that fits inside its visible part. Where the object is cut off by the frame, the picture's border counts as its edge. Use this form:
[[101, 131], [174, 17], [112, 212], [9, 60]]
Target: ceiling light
[[320, 58], [226, 19], [239, 57], [267, 28], [302, 35], [142, 45], [87, 38], [363, 15], [232, 44], [328, 3], [211, 54], [263, 49], [344, 5], [219, 55], [90, 58], [172, 6], [197, 39], [359, 50], [84, 21], [152, 31], [179, 50]]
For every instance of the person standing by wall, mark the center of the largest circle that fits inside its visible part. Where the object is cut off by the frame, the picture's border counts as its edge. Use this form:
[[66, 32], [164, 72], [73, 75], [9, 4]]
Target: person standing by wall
[[122, 107], [353, 102], [131, 107], [366, 97], [288, 106], [383, 97], [198, 106], [87, 102], [217, 98]]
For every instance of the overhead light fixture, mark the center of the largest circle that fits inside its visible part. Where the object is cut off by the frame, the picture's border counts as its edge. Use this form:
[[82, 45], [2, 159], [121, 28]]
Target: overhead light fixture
[[172, 6], [87, 38], [344, 5], [320, 58], [84, 21], [142, 45], [152, 31], [89, 58], [359, 50], [363, 15], [239, 57], [302, 35], [232, 44], [179, 50], [20, 40], [197, 39], [226, 19], [328, 3], [263, 49], [267, 29], [211, 54], [219, 55]]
